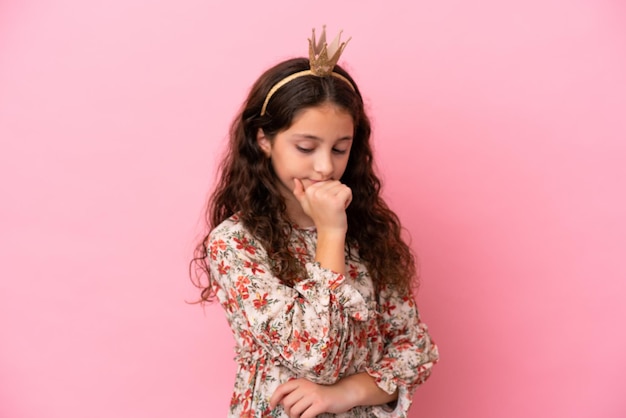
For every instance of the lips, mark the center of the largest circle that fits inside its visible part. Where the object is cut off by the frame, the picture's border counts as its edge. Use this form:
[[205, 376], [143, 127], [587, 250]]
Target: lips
[[312, 182], [316, 181]]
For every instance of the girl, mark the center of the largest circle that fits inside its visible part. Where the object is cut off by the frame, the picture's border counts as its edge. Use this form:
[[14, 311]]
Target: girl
[[307, 259]]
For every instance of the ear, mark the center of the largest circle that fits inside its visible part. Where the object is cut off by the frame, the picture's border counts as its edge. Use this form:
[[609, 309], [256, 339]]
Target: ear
[[264, 143]]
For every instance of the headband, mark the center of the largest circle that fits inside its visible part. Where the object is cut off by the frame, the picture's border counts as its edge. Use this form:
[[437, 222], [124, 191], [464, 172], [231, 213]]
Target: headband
[[319, 63]]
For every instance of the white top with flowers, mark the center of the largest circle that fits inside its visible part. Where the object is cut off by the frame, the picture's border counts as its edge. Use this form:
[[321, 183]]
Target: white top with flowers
[[325, 327]]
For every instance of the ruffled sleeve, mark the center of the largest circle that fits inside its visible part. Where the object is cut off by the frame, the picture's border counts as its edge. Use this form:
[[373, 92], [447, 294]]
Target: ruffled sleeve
[[305, 327], [409, 353]]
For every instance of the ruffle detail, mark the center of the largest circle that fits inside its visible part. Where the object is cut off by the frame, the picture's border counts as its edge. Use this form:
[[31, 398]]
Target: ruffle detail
[[388, 383], [333, 289]]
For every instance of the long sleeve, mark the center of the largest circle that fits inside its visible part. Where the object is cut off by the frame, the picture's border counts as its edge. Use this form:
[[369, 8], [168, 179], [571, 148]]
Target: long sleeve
[[409, 352], [306, 327]]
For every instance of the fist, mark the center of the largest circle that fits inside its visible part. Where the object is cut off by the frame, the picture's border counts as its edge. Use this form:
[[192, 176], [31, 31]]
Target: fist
[[325, 202]]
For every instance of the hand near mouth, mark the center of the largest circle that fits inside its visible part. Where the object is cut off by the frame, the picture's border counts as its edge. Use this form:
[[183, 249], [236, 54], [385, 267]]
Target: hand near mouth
[[325, 202]]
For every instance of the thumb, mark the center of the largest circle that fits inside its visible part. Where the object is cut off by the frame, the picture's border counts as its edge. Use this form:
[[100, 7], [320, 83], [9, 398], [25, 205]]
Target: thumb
[[298, 190], [348, 201]]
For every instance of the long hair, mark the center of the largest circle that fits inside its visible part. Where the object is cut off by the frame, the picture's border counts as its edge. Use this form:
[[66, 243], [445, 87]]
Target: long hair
[[247, 185]]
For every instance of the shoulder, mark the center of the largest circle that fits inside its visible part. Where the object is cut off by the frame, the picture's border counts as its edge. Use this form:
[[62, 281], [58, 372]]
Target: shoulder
[[231, 235], [229, 227]]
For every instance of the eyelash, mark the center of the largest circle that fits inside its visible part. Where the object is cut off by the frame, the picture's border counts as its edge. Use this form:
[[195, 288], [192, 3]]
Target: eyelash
[[310, 150]]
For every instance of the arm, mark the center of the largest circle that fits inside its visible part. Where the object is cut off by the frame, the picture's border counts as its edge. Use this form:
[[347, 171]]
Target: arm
[[330, 251], [409, 353], [304, 399], [363, 390], [408, 358], [325, 203], [306, 327]]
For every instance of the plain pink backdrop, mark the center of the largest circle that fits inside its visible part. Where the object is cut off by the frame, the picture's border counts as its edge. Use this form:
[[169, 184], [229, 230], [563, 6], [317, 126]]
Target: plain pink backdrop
[[500, 133]]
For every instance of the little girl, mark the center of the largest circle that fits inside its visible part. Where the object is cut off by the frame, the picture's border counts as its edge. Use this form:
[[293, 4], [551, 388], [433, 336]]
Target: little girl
[[306, 258]]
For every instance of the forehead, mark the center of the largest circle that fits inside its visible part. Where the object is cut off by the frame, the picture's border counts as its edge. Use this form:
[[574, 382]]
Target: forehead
[[327, 119]]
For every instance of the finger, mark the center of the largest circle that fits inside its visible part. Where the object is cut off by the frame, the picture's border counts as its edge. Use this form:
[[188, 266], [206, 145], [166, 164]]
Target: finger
[[282, 391], [341, 192], [300, 407], [291, 399], [335, 186], [347, 196], [324, 189], [326, 185], [277, 396], [298, 189], [313, 411]]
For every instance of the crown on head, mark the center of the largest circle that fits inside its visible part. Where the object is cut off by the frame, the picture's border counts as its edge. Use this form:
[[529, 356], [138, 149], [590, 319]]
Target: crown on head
[[319, 63], [319, 52]]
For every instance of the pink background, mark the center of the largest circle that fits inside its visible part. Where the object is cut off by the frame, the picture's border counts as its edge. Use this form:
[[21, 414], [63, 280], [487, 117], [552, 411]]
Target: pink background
[[501, 135]]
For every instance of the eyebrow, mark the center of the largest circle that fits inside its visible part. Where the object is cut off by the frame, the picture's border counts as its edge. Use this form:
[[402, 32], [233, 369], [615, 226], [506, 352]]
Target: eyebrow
[[317, 138]]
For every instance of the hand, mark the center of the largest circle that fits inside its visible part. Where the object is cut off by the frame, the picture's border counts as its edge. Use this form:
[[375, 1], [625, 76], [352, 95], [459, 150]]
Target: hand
[[325, 202], [302, 398]]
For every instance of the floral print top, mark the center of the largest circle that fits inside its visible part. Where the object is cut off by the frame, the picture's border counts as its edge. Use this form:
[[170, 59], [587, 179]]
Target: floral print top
[[325, 327]]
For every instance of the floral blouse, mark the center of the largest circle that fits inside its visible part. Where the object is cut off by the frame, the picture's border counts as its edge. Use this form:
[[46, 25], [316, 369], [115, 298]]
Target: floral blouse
[[325, 327]]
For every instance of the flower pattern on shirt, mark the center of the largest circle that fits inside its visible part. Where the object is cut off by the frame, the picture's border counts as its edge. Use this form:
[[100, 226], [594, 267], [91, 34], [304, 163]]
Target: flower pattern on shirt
[[325, 327]]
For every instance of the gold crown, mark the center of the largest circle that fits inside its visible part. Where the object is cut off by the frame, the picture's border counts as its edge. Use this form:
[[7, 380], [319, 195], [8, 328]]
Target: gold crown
[[319, 63], [319, 52]]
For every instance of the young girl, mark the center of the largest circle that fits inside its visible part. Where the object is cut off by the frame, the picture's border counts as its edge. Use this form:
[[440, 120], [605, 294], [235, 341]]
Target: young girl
[[307, 259]]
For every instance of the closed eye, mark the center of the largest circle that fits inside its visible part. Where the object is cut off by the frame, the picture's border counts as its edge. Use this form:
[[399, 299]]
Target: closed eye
[[340, 151], [304, 150]]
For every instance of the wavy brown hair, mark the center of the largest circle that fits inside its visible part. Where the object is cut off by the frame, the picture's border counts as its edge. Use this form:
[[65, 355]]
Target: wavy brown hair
[[247, 185]]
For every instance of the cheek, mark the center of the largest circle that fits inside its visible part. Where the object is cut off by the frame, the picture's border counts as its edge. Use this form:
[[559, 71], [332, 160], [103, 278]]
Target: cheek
[[341, 169], [342, 164], [286, 169]]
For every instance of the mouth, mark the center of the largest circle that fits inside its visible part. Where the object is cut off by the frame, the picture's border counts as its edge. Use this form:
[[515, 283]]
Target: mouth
[[309, 182]]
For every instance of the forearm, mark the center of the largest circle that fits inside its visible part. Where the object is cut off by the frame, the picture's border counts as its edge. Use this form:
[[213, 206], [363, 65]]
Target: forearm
[[362, 390], [330, 252]]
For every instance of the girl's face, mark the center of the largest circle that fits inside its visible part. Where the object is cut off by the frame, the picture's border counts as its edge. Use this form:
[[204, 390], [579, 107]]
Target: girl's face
[[316, 147]]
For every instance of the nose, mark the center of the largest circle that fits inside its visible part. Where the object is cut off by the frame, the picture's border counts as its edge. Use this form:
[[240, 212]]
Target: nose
[[323, 164]]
